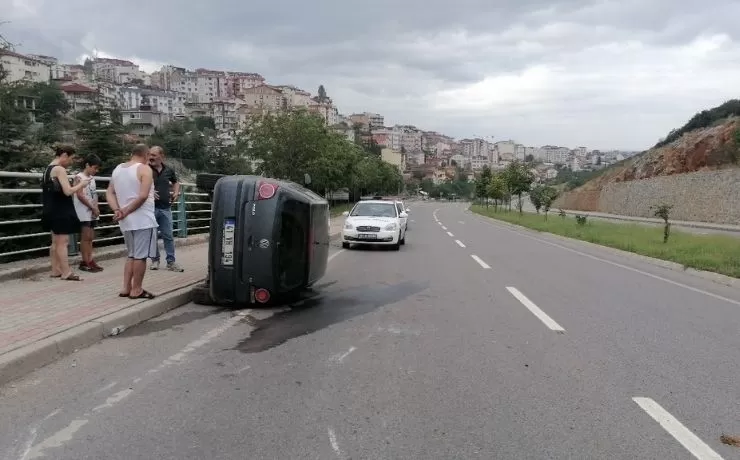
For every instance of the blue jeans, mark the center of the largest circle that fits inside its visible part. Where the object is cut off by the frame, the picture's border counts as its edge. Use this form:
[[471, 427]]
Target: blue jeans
[[164, 220]]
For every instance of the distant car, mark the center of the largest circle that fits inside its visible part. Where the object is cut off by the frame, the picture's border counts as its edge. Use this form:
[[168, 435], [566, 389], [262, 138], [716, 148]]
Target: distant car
[[374, 222]]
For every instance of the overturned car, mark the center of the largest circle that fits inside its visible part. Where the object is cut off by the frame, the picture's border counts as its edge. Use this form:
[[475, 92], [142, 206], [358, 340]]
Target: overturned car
[[269, 240]]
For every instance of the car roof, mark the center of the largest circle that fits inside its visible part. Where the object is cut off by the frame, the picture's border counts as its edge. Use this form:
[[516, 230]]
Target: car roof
[[375, 202]]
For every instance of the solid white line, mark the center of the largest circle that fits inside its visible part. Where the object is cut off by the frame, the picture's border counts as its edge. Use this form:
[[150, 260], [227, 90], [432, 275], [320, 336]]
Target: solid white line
[[460, 243], [615, 264], [334, 443], [689, 440], [340, 357], [549, 322], [450, 233], [480, 262]]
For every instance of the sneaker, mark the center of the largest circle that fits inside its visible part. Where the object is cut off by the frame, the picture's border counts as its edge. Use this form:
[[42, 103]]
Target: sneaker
[[154, 265], [173, 267]]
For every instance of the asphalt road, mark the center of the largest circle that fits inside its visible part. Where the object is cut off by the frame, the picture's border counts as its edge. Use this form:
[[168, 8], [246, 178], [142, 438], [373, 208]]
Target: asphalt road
[[474, 341]]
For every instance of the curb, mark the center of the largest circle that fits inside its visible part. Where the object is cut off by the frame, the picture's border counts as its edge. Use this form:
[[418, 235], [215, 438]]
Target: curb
[[670, 265], [102, 254], [21, 361]]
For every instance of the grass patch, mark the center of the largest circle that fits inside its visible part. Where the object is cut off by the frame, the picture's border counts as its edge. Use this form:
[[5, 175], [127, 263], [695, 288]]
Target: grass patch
[[715, 253], [338, 209]]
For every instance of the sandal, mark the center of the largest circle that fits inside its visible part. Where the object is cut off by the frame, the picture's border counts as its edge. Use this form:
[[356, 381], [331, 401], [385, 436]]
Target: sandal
[[71, 277], [144, 295], [55, 276], [121, 294]]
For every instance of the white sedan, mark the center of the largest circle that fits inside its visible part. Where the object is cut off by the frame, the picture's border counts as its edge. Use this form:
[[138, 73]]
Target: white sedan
[[375, 222]]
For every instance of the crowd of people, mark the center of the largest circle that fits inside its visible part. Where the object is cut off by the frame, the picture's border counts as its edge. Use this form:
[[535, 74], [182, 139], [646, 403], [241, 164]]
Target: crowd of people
[[140, 195]]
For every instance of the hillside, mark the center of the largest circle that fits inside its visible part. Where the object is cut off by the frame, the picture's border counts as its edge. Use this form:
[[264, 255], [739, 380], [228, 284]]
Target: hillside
[[710, 141]]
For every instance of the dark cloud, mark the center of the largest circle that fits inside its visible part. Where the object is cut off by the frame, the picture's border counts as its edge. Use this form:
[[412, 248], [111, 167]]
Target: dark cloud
[[572, 72]]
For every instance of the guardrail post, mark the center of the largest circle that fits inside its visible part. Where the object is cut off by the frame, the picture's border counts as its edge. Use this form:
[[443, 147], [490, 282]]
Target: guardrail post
[[72, 249], [182, 219]]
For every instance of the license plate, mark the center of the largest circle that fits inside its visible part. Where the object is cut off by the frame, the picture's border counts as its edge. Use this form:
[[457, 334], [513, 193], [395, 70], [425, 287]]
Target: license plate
[[227, 243], [367, 236]]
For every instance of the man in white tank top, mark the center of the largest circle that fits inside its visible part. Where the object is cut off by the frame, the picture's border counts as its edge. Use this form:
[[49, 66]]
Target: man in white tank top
[[130, 195]]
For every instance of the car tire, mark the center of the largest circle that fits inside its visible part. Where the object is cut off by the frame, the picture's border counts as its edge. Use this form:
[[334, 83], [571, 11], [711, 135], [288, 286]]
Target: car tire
[[403, 240], [345, 245]]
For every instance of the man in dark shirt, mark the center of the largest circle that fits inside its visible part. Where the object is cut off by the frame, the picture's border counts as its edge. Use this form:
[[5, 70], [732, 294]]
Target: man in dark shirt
[[164, 177]]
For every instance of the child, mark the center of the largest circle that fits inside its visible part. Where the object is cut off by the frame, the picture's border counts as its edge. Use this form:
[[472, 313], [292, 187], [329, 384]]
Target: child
[[86, 205]]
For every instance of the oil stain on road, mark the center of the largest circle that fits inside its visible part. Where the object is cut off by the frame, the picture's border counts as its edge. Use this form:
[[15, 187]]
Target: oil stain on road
[[320, 312]]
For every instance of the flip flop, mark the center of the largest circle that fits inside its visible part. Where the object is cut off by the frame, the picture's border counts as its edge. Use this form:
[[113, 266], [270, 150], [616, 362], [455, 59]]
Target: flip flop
[[55, 276], [144, 295], [121, 294]]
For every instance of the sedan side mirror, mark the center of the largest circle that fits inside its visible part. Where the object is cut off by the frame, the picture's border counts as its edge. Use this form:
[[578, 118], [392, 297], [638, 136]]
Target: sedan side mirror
[[403, 215], [345, 213], [408, 210]]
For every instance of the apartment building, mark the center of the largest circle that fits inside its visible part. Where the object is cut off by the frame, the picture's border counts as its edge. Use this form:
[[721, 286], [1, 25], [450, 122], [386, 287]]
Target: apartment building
[[143, 121], [170, 103], [264, 96], [116, 71], [20, 67], [394, 157], [80, 97], [326, 110], [295, 97], [556, 155]]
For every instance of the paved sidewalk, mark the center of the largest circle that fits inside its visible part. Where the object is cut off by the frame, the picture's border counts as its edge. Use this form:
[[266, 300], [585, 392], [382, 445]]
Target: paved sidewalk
[[35, 308]]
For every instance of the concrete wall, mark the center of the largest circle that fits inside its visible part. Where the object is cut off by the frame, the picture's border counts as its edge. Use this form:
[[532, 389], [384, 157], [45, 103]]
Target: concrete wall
[[704, 196]]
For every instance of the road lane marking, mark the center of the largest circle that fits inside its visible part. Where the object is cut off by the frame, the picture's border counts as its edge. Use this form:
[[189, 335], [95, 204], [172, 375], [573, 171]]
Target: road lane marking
[[460, 243], [460, 222], [536, 311], [480, 262], [450, 233], [444, 228], [689, 440], [334, 443], [334, 255], [606, 261], [340, 357]]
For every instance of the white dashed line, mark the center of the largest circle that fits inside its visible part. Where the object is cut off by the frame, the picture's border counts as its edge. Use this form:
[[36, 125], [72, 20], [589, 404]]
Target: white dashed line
[[480, 262], [689, 440], [340, 357], [549, 322], [450, 233], [460, 243], [444, 228], [334, 443]]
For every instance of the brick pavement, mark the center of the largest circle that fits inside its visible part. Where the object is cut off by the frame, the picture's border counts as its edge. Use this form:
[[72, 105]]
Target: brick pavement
[[34, 308]]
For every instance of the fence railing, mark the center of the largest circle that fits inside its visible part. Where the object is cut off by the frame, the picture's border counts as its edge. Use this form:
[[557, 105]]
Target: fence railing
[[21, 235]]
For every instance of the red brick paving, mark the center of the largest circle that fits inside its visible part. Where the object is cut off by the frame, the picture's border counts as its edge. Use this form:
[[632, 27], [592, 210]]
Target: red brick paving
[[36, 308]]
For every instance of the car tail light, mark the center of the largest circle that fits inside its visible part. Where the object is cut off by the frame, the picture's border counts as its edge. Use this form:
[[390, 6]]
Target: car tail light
[[266, 190], [262, 295]]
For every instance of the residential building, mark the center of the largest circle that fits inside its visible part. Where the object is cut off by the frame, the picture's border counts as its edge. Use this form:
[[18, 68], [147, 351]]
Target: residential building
[[116, 71], [475, 148], [170, 103], [556, 155], [264, 96], [345, 130], [80, 97], [394, 157], [239, 81], [296, 97], [143, 121], [326, 110], [20, 67], [479, 162]]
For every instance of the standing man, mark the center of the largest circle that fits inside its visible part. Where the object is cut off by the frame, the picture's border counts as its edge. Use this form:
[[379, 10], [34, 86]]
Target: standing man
[[164, 177], [86, 206], [130, 195]]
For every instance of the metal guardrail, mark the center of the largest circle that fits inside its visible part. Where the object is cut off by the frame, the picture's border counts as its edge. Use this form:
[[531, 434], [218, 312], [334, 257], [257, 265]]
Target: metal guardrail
[[191, 214]]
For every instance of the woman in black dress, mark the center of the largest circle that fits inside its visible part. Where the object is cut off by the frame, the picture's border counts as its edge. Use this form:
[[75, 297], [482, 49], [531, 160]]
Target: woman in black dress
[[59, 216]]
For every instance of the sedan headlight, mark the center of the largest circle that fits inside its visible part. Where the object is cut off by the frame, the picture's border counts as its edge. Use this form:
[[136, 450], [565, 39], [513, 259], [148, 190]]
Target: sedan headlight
[[391, 226], [348, 226]]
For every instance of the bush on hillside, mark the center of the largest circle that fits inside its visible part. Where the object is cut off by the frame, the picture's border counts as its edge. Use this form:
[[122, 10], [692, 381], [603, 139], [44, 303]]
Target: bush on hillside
[[703, 119]]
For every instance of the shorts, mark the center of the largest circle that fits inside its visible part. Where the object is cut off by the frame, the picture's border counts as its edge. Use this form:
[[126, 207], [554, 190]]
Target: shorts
[[61, 225], [88, 223], [141, 244]]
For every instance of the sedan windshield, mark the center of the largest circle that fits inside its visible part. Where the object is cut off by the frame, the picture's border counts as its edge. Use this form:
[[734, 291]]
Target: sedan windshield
[[374, 210]]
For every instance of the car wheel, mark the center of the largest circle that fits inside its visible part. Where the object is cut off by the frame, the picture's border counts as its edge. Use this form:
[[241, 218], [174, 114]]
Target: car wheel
[[345, 245], [403, 240]]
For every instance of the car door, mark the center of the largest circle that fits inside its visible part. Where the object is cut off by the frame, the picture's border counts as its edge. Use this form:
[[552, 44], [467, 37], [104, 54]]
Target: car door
[[403, 220]]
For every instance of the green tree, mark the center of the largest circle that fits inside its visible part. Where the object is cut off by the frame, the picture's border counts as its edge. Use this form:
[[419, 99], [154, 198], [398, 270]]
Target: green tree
[[497, 190], [100, 131], [663, 211], [519, 180], [481, 184], [322, 94], [548, 194], [536, 196]]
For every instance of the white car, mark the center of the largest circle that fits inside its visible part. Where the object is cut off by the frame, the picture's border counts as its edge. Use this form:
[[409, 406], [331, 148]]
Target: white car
[[375, 222]]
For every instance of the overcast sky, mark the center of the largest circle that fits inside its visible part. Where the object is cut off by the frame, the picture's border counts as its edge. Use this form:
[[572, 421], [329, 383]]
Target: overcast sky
[[602, 74]]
